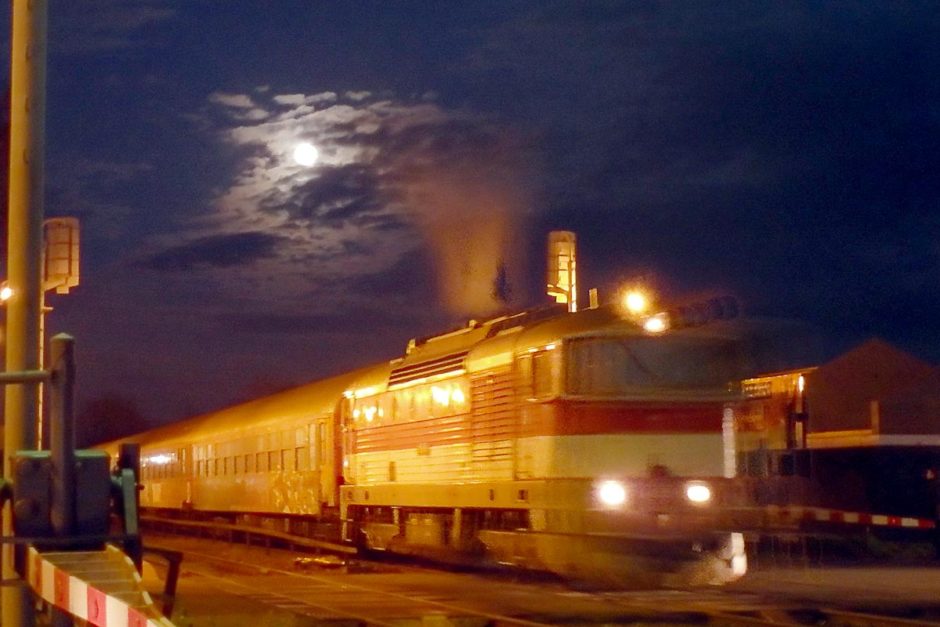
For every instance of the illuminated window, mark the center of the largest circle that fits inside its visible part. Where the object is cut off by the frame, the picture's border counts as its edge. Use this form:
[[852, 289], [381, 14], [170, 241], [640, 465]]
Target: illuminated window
[[249, 467], [321, 444], [274, 460], [459, 397], [437, 401], [261, 462], [440, 395]]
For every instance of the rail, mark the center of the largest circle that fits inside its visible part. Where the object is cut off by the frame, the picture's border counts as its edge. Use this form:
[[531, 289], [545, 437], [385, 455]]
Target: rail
[[291, 539]]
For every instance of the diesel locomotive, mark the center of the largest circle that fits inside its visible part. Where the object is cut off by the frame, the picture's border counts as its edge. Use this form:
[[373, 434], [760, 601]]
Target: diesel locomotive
[[583, 443]]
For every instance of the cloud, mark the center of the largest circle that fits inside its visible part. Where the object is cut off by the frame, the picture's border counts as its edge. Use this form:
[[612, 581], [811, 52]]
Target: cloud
[[97, 192], [236, 101], [390, 171], [84, 28], [218, 251], [290, 99]]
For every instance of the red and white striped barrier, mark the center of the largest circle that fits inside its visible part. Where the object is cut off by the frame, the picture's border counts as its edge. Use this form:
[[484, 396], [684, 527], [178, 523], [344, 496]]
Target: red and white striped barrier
[[100, 587], [792, 513]]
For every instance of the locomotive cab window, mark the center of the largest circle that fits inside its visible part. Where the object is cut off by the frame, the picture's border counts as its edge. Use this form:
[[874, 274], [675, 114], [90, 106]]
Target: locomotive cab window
[[539, 373], [624, 366]]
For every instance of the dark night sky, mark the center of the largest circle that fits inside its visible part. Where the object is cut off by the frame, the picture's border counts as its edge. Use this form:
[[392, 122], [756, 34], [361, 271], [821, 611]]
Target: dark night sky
[[784, 152]]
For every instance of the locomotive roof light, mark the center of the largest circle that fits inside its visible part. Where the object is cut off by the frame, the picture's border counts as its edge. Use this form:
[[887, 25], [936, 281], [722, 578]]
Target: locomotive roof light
[[636, 301], [698, 492], [612, 493]]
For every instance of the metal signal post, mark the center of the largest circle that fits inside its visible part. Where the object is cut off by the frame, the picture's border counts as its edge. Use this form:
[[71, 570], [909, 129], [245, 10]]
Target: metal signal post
[[27, 137]]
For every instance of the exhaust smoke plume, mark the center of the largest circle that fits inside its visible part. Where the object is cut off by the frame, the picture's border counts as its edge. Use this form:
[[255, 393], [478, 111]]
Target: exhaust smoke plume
[[467, 198]]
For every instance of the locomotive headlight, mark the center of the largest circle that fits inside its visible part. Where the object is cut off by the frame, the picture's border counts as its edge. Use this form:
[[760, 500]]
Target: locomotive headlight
[[612, 493], [698, 492], [656, 324]]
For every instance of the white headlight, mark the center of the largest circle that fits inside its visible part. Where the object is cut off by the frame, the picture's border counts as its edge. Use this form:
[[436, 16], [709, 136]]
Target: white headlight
[[612, 493], [698, 492], [656, 324]]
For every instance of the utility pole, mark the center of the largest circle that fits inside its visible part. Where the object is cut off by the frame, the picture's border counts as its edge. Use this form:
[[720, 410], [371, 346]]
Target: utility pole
[[27, 139]]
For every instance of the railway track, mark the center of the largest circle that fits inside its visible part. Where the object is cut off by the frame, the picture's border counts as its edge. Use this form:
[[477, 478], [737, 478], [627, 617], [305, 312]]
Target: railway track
[[363, 593]]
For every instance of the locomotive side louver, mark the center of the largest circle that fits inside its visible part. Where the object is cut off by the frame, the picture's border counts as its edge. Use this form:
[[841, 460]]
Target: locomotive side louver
[[430, 368]]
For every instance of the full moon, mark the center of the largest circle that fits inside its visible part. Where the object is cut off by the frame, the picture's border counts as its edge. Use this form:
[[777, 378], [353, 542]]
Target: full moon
[[306, 154]]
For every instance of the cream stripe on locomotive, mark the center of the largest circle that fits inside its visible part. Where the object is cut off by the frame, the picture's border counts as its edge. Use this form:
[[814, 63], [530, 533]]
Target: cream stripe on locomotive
[[544, 457]]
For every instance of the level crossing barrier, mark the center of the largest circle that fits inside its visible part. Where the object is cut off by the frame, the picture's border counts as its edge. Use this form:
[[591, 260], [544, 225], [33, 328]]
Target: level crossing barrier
[[102, 588]]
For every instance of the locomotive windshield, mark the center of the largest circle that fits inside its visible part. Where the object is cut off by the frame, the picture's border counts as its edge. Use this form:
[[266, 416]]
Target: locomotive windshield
[[609, 366]]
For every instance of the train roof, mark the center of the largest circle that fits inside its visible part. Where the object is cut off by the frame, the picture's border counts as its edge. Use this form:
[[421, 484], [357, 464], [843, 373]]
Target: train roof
[[475, 346], [311, 400]]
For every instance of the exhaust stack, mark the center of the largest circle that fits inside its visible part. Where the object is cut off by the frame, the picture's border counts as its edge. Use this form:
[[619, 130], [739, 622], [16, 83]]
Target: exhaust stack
[[562, 274]]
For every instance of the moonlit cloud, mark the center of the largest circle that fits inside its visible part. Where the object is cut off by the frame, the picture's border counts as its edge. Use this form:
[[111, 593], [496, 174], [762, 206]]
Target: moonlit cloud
[[290, 99], [389, 171], [236, 101]]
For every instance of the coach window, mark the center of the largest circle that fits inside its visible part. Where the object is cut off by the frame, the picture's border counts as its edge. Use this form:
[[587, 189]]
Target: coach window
[[249, 467], [287, 460], [302, 458], [274, 458], [321, 443], [261, 462]]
